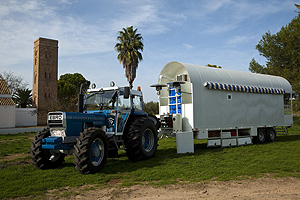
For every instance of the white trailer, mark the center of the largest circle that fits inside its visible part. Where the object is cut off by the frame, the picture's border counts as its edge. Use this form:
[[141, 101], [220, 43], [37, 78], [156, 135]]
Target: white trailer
[[226, 107]]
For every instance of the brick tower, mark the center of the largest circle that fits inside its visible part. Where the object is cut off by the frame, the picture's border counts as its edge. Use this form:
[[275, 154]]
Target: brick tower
[[45, 72]]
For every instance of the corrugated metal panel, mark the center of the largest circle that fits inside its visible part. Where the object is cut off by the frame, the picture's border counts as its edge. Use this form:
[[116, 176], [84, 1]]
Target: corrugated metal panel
[[199, 75]]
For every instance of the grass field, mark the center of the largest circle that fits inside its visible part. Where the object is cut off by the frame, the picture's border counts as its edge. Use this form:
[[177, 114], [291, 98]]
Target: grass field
[[19, 178]]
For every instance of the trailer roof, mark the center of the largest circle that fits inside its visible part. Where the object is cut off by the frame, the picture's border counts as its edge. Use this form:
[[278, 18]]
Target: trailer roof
[[202, 75]]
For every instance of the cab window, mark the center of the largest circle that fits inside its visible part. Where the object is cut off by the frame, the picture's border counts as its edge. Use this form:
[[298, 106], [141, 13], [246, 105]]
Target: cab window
[[123, 104], [137, 103]]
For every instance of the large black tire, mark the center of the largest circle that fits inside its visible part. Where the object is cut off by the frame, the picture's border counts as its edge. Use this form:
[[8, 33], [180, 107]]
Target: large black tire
[[91, 151], [271, 135], [140, 139], [261, 136], [44, 158], [155, 121]]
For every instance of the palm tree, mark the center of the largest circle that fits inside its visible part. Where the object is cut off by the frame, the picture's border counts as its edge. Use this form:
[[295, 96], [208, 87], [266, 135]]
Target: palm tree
[[129, 47], [23, 98]]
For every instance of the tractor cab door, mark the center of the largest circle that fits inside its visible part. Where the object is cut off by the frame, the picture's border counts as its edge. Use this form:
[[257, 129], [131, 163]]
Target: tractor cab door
[[123, 113]]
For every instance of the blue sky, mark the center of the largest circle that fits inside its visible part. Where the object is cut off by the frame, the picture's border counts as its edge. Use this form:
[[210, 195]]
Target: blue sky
[[221, 32]]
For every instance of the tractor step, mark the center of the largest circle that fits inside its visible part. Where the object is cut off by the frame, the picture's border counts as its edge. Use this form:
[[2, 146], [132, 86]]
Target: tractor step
[[54, 143]]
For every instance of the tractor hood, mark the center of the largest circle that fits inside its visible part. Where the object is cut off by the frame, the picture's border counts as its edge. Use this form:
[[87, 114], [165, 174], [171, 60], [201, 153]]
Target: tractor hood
[[73, 122]]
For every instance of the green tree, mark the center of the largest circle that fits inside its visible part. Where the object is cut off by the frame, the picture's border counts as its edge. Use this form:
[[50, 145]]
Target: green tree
[[151, 108], [68, 90], [23, 98], [282, 52], [129, 47], [13, 82], [255, 67]]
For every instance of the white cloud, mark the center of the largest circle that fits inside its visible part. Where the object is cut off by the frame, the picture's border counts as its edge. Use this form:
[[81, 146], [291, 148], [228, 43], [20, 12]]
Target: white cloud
[[187, 46], [145, 16], [241, 39], [25, 22], [216, 16]]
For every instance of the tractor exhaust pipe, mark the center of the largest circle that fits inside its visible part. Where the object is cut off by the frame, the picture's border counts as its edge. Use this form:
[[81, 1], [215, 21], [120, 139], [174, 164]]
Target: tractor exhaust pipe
[[80, 99]]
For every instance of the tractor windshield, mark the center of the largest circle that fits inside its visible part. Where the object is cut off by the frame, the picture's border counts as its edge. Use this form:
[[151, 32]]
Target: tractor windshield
[[100, 100]]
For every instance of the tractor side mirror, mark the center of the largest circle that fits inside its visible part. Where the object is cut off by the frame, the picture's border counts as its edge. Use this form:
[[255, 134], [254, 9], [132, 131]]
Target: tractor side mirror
[[126, 92]]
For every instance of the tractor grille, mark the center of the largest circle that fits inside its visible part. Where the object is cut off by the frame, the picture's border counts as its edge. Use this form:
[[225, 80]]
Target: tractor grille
[[55, 119]]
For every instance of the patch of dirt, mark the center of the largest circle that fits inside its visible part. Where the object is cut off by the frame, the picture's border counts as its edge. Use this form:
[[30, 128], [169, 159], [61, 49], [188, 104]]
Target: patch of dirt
[[261, 188], [13, 160], [15, 156]]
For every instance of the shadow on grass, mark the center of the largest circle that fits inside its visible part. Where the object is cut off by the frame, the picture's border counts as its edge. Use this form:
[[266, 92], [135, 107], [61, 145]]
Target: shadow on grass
[[287, 138], [122, 164]]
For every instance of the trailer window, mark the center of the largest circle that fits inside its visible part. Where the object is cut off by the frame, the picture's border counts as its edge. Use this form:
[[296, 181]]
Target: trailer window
[[287, 98]]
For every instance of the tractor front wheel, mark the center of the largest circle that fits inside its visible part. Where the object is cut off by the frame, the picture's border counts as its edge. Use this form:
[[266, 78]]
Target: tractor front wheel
[[140, 139], [91, 151], [44, 158]]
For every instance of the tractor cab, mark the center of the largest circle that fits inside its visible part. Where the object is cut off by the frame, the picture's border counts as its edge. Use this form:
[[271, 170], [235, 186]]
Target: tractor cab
[[117, 103]]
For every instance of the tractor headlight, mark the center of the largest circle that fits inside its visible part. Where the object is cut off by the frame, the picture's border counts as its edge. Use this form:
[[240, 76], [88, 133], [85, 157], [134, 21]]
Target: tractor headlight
[[58, 132]]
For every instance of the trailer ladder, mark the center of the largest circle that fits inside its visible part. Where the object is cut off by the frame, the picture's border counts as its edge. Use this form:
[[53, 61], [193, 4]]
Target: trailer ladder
[[281, 130]]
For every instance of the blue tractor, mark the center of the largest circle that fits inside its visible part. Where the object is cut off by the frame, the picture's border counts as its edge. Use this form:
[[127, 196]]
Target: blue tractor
[[108, 119]]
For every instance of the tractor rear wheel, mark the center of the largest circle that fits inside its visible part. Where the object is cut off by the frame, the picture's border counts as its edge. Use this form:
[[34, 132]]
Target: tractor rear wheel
[[91, 151], [140, 139], [44, 158], [155, 121]]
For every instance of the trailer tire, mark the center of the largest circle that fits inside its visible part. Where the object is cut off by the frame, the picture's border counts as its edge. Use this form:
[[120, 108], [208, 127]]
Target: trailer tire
[[44, 158], [261, 136], [140, 139], [271, 134], [91, 151]]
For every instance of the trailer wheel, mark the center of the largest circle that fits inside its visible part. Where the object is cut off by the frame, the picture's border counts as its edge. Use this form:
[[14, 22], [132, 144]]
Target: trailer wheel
[[261, 136], [271, 134], [140, 139], [44, 158], [91, 151]]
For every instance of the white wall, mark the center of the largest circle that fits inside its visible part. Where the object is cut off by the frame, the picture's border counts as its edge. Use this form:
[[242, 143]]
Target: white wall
[[26, 117], [7, 116]]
